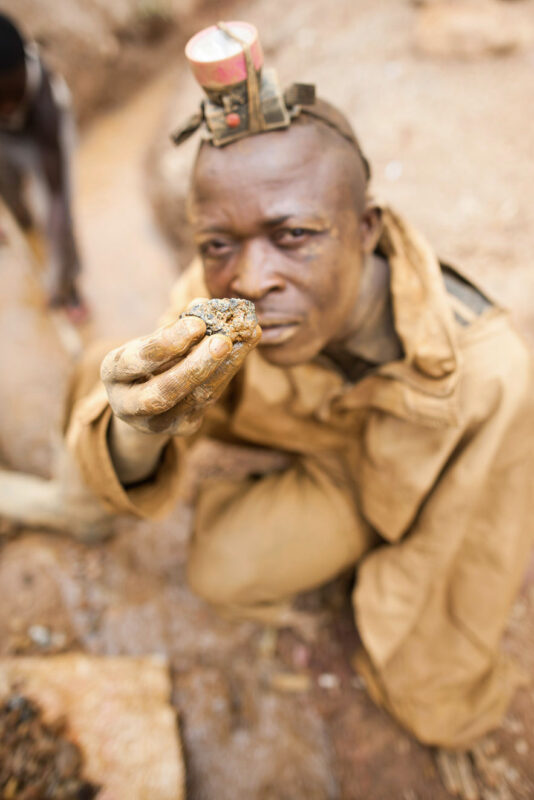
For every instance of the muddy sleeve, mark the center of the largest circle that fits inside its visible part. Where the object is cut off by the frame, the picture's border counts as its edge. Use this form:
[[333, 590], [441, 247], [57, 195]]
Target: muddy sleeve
[[86, 423], [432, 603]]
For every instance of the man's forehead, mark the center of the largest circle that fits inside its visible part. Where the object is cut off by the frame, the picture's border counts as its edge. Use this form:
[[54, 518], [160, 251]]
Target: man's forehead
[[280, 168], [294, 149]]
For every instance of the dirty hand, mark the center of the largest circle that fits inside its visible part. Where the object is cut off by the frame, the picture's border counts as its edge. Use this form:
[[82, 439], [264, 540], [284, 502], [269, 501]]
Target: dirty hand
[[161, 386], [475, 774], [164, 382]]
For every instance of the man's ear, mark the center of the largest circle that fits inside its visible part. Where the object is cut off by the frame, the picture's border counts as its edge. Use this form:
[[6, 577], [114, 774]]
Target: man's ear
[[370, 228]]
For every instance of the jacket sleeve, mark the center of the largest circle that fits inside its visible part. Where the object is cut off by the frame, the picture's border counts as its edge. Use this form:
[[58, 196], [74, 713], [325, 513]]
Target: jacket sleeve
[[87, 418], [431, 605]]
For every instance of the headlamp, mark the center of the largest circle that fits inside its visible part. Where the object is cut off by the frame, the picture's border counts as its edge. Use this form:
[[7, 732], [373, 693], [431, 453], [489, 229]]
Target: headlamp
[[242, 97]]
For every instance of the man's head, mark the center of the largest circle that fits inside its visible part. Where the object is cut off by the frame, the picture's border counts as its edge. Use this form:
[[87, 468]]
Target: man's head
[[12, 67], [282, 219]]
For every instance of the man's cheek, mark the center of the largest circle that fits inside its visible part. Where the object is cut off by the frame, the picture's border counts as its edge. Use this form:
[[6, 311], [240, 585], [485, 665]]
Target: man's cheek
[[318, 250], [217, 281], [327, 291]]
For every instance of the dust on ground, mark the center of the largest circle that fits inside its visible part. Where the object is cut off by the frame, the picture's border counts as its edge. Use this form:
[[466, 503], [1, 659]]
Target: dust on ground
[[284, 717]]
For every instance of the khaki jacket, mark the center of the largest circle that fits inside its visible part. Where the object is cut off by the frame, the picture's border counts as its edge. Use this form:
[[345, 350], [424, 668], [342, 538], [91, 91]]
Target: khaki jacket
[[430, 457]]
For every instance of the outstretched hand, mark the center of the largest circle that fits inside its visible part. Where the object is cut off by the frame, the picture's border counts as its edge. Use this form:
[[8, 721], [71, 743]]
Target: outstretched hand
[[164, 382]]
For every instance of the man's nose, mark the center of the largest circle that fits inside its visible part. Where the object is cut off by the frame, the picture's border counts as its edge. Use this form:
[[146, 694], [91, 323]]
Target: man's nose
[[256, 274]]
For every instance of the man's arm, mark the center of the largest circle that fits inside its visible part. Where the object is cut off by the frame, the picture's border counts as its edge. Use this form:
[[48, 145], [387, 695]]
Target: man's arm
[[135, 454]]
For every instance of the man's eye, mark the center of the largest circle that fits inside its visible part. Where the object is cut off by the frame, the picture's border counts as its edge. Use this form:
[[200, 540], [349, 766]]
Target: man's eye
[[214, 248], [288, 237]]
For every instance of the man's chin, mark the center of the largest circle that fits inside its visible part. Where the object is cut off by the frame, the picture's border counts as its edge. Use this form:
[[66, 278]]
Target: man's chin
[[286, 355]]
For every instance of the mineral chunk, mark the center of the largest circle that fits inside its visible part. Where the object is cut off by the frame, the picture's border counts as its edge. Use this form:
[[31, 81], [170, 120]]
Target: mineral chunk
[[36, 759], [231, 316]]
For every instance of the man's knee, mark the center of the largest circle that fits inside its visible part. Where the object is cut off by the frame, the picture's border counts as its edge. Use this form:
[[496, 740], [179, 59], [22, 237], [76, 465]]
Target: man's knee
[[222, 581]]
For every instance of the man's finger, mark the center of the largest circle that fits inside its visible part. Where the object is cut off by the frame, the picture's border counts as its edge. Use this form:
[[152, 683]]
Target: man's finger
[[197, 301], [148, 355], [209, 391], [161, 392], [220, 378]]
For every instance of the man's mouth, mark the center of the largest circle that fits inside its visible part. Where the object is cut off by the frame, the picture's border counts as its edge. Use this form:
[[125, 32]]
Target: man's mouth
[[277, 330]]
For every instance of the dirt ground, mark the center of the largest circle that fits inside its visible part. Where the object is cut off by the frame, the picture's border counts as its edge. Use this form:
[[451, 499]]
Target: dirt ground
[[284, 717]]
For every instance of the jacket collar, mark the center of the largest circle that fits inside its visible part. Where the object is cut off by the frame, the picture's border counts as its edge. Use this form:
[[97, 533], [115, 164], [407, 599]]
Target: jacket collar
[[422, 385], [423, 319]]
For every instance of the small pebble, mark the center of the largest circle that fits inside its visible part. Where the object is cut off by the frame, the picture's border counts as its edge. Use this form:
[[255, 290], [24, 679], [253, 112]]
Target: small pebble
[[290, 681], [394, 170], [268, 642], [301, 656], [512, 725], [59, 640], [328, 681], [512, 775], [40, 635]]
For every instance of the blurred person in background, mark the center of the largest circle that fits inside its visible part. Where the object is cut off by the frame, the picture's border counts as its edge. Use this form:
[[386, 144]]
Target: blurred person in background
[[36, 132]]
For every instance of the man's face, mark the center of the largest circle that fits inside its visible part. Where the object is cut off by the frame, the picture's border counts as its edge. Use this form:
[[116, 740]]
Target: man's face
[[12, 89], [276, 222]]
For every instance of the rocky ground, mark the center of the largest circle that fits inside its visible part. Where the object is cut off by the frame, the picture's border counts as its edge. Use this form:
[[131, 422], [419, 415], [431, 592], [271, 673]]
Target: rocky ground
[[441, 105]]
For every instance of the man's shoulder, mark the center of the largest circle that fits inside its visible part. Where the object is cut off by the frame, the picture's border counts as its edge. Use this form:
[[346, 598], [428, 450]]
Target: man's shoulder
[[493, 348], [495, 363], [481, 322]]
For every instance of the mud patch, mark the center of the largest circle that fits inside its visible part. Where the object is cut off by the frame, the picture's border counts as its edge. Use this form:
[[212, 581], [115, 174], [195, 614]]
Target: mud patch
[[38, 759]]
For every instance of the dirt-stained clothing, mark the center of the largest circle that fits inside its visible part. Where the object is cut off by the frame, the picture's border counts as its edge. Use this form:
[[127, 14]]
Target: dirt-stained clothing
[[419, 474]]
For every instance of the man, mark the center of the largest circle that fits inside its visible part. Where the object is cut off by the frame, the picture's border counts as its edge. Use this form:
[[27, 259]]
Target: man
[[35, 126], [388, 410]]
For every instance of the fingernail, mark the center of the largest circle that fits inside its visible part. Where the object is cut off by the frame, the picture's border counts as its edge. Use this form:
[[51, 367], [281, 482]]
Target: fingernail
[[220, 346], [194, 325]]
